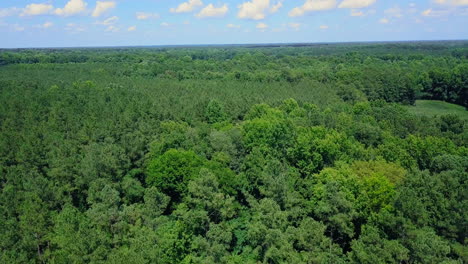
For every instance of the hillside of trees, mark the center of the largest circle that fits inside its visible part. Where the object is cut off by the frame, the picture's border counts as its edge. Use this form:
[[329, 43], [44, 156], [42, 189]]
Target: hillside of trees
[[236, 154]]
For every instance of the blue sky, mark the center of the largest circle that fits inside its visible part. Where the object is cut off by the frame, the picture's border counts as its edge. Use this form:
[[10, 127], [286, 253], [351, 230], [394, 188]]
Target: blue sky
[[73, 23]]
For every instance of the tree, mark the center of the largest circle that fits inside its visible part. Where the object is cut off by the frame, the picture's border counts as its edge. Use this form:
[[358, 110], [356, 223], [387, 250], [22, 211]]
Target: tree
[[372, 247], [214, 112], [172, 171]]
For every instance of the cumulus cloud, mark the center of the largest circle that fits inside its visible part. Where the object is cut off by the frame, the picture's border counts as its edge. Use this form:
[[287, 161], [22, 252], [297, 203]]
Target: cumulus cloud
[[108, 21], [212, 11], [452, 2], [394, 12], [45, 25], [187, 7], [232, 26], [132, 28], [36, 9], [112, 28], [274, 8], [73, 7], [102, 7], [312, 5], [165, 24], [323, 27], [356, 13], [257, 9], [262, 26], [361, 13], [434, 13], [426, 12], [356, 3], [254, 9], [384, 21], [145, 16]]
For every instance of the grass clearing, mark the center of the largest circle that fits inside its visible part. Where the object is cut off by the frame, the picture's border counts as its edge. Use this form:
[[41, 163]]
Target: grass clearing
[[432, 108]]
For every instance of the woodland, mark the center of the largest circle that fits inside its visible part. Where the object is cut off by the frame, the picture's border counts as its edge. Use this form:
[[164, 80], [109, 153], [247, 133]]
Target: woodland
[[235, 154]]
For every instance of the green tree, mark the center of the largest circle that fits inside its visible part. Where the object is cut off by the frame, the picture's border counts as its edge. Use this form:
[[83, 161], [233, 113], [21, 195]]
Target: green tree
[[172, 171], [214, 112], [372, 247]]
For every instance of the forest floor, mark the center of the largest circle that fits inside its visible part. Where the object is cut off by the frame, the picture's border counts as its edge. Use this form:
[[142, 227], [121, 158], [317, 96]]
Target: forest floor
[[432, 108]]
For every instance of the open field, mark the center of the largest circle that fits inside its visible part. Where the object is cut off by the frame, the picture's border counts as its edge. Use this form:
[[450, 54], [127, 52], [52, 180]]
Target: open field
[[431, 108]]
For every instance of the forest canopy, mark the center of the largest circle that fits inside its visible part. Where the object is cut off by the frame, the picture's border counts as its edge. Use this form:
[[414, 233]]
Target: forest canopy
[[234, 154]]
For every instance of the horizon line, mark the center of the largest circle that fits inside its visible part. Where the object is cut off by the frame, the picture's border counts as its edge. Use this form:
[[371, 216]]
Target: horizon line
[[265, 44]]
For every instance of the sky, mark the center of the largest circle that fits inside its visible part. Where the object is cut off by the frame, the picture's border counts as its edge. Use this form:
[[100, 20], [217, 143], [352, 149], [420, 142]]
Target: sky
[[84, 23]]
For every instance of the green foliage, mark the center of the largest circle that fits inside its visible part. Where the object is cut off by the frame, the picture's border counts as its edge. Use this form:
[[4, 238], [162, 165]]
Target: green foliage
[[371, 247], [426, 247], [269, 133], [451, 123], [234, 154], [172, 171], [214, 112], [317, 147], [424, 199]]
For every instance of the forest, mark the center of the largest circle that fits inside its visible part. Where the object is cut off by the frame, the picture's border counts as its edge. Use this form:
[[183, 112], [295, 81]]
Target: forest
[[320, 153]]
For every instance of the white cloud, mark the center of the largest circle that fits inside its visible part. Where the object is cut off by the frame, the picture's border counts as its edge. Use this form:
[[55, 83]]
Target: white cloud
[[434, 13], [45, 25], [323, 27], [36, 9], [112, 28], [295, 26], [165, 24], [108, 21], [11, 11], [73, 7], [276, 7], [257, 9], [356, 13], [356, 3], [253, 10], [452, 2], [312, 5], [145, 16], [394, 12], [212, 11], [102, 7], [132, 28], [426, 12], [74, 27], [384, 21], [233, 26], [361, 13], [262, 26], [186, 7]]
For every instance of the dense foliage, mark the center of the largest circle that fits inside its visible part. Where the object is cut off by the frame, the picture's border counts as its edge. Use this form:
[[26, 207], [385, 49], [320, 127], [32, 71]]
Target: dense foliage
[[233, 155]]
